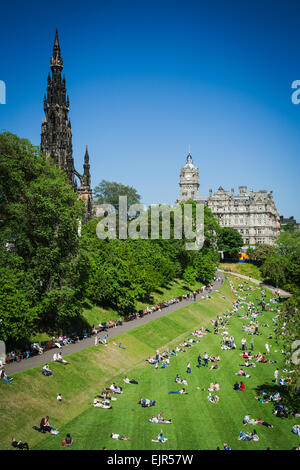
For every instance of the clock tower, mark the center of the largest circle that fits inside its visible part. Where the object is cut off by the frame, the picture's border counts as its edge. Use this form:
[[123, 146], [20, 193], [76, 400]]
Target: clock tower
[[189, 181]]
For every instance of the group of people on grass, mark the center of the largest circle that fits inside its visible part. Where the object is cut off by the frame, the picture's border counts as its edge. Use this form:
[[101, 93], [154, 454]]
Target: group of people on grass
[[107, 395]]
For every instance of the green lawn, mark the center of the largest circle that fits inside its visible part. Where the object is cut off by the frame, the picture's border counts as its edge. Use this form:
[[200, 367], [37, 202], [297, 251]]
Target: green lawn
[[197, 424], [247, 269]]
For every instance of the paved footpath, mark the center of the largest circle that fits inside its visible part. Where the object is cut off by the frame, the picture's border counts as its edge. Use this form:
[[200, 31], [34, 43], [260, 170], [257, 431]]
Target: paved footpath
[[47, 357], [283, 293]]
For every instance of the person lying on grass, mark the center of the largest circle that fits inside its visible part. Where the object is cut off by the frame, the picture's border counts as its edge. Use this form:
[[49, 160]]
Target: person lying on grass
[[215, 366], [248, 364], [179, 380], [182, 392], [248, 420], [248, 436], [19, 444], [213, 398], [101, 403], [159, 419], [214, 358], [128, 381], [119, 437], [145, 402]]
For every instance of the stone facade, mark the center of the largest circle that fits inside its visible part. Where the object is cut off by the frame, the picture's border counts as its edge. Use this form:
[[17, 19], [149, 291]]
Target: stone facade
[[189, 181], [56, 135], [252, 214]]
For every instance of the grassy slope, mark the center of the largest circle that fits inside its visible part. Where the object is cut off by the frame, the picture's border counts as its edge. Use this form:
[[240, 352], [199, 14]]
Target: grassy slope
[[198, 424], [243, 268], [31, 396]]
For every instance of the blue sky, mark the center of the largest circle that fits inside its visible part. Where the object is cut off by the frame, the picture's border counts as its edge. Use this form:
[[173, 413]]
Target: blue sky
[[148, 78]]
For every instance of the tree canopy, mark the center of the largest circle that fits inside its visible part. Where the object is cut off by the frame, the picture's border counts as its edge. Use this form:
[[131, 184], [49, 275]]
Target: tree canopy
[[41, 268], [107, 192]]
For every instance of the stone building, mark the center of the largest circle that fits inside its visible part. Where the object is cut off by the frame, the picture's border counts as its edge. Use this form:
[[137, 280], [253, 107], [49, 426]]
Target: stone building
[[252, 214], [56, 135], [189, 181]]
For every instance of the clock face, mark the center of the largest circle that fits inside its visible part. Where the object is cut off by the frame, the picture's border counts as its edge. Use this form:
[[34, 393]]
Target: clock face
[[188, 176]]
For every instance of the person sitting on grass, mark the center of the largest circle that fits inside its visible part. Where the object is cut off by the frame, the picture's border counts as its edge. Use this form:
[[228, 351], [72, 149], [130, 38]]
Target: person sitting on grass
[[46, 371], [68, 441], [119, 437], [115, 389], [19, 445], [160, 438], [43, 427], [242, 373], [101, 403], [53, 430], [5, 377], [296, 429], [146, 402], [57, 357], [214, 387]]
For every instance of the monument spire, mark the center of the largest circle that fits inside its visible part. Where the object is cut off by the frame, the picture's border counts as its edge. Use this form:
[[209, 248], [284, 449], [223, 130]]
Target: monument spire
[[56, 135]]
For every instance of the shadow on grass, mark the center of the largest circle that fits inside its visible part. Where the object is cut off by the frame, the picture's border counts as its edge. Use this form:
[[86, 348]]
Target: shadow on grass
[[290, 396]]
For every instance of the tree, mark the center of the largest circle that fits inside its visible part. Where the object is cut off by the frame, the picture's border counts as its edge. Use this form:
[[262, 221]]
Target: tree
[[274, 269], [229, 241], [108, 193], [39, 239], [261, 252]]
